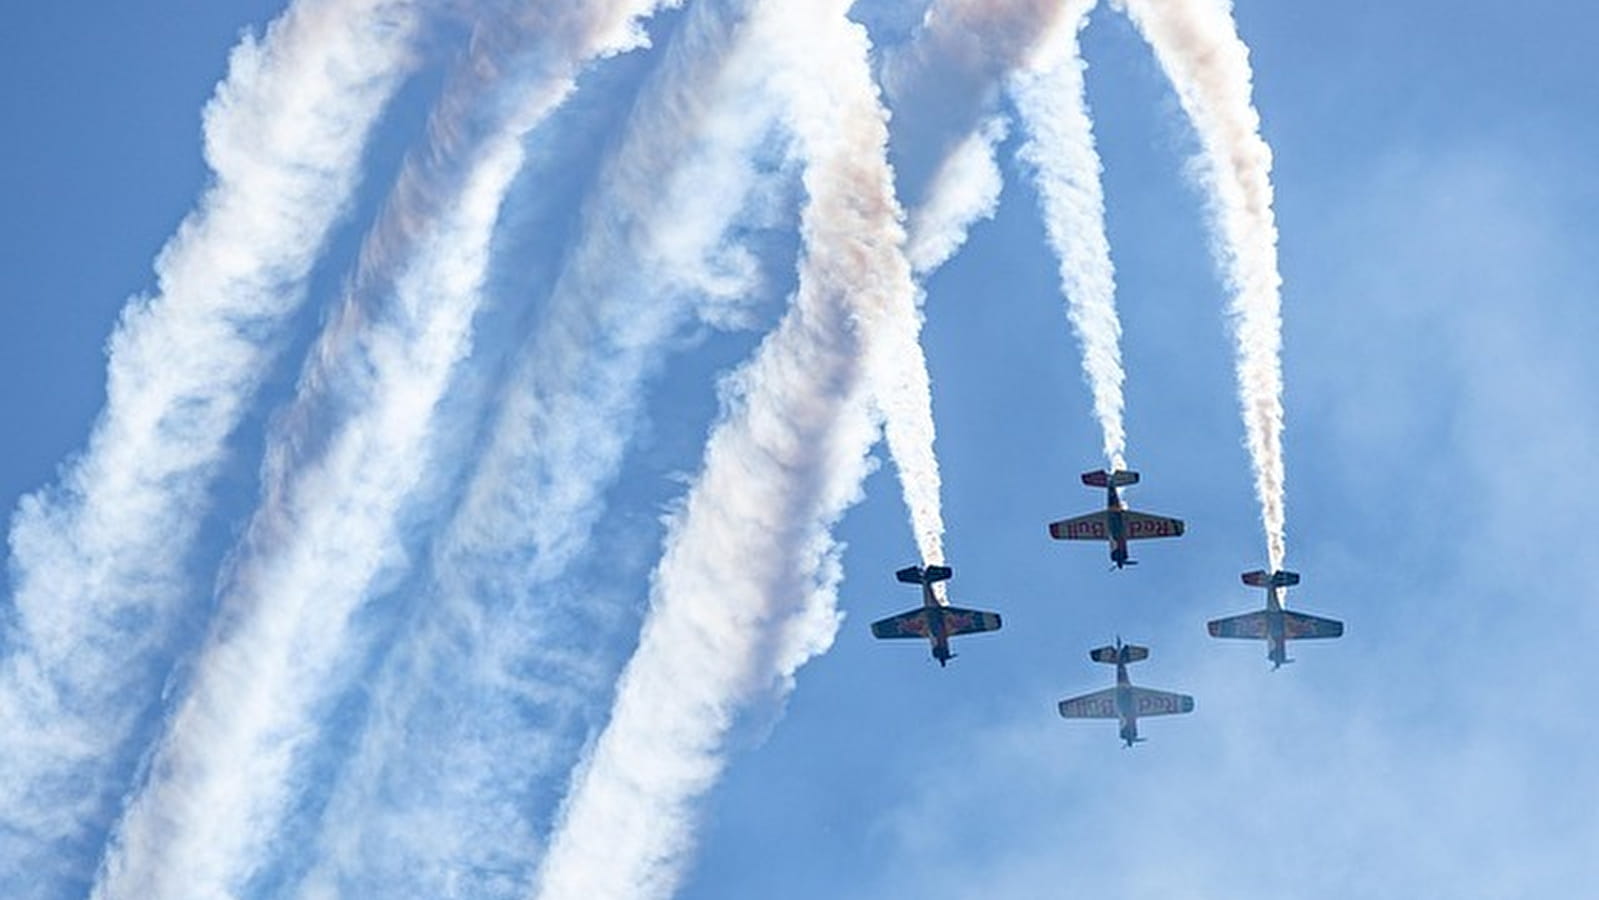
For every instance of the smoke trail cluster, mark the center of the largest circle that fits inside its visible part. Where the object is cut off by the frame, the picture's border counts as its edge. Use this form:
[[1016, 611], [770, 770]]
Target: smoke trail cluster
[[217, 784], [327, 530], [667, 198], [1208, 64]]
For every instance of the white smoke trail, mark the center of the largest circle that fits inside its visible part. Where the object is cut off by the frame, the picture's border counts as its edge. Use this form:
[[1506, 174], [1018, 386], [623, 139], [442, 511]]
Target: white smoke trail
[[327, 533], [964, 190], [745, 591], [1060, 149], [503, 660], [1207, 62], [99, 561], [902, 393]]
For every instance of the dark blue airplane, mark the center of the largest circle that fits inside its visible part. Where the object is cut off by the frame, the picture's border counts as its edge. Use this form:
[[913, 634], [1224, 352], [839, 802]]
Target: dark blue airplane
[[936, 620]]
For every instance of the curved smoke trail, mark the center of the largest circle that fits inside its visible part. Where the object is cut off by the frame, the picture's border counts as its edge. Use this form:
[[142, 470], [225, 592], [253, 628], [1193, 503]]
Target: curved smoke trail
[[1060, 150], [1207, 62], [745, 591], [99, 562], [328, 531]]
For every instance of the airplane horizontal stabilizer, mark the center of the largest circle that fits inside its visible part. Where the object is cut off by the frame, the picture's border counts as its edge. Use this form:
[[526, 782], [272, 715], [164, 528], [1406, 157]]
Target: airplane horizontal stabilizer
[[1119, 478], [1130, 653], [919, 575], [1277, 579]]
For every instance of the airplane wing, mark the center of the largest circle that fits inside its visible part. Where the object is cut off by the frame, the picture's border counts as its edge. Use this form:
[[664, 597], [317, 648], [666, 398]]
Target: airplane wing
[[1093, 527], [1143, 525], [1098, 705], [969, 621], [1300, 626], [911, 624], [1160, 703], [1249, 625]]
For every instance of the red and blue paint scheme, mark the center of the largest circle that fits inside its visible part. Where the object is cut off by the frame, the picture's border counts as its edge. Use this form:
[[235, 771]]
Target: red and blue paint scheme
[[935, 620], [1274, 625], [1125, 702], [1115, 523]]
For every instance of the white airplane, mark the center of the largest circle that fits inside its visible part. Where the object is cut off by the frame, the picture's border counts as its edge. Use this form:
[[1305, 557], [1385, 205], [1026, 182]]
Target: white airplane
[[1274, 625], [1124, 701], [1115, 523], [935, 620]]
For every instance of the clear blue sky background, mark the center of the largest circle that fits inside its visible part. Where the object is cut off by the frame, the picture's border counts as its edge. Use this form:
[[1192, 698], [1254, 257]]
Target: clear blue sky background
[[1436, 198]]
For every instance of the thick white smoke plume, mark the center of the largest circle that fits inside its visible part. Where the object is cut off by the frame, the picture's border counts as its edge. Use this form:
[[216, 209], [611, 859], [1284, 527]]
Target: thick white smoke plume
[[1051, 97], [304, 752], [327, 531], [902, 393], [745, 591], [99, 562], [1198, 45]]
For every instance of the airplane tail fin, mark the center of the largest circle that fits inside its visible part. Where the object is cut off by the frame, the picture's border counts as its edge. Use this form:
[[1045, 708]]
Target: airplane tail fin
[[1278, 579], [920, 575], [1130, 653], [1118, 478]]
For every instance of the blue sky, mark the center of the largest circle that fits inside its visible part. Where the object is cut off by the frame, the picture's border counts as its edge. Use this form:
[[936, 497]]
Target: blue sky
[[1435, 188]]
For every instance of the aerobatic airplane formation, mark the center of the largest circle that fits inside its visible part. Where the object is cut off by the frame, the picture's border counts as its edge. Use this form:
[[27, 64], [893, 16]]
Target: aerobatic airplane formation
[[937, 621]]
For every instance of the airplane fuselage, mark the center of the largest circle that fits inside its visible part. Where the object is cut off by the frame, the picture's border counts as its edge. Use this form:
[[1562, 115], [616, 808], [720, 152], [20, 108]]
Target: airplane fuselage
[[1276, 630], [937, 625], [1116, 527], [1126, 706]]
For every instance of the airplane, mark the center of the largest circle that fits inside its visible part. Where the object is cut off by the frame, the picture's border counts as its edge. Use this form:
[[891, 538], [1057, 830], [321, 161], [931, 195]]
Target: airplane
[[1274, 625], [1115, 523], [1124, 701], [936, 620]]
